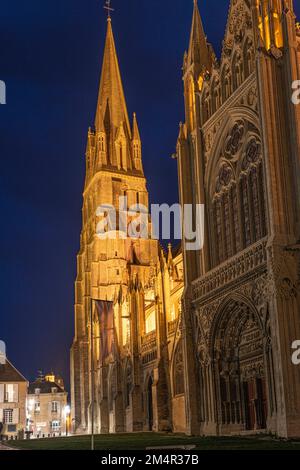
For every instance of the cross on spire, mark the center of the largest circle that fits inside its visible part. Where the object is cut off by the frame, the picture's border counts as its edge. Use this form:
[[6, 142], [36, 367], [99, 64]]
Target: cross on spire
[[108, 8]]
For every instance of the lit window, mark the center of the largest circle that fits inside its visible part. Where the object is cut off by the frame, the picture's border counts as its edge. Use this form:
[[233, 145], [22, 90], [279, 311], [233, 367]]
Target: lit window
[[54, 406], [192, 103], [11, 393], [200, 82], [150, 323], [54, 389], [37, 407], [7, 416], [55, 426], [173, 313]]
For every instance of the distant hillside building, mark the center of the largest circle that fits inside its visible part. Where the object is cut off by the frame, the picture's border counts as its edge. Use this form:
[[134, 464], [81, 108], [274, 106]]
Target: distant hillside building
[[47, 407], [13, 390]]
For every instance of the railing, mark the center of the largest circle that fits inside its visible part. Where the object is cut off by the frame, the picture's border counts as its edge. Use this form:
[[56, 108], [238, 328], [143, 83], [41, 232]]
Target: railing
[[149, 357], [172, 326], [149, 347], [243, 263], [149, 338]]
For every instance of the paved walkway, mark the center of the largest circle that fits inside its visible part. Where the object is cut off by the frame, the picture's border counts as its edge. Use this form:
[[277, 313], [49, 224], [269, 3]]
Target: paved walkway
[[2, 447]]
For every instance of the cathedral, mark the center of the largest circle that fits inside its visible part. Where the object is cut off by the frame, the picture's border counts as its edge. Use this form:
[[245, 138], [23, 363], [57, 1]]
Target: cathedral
[[198, 342]]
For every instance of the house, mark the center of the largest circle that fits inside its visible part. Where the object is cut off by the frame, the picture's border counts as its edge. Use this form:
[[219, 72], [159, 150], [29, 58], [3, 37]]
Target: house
[[47, 408], [13, 391]]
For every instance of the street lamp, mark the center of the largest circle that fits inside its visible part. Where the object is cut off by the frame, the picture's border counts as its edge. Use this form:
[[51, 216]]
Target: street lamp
[[67, 412]]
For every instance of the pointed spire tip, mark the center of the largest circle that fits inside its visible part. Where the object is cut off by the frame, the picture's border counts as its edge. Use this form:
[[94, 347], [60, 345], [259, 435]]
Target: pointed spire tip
[[111, 100], [198, 49]]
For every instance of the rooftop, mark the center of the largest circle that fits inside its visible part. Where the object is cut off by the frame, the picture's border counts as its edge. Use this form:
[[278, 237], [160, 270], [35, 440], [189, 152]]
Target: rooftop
[[44, 386], [8, 373]]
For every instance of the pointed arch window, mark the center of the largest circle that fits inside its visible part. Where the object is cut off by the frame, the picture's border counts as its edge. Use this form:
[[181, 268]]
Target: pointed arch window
[[178, 372], [204, 107], [248, 57], [215, 93], [128, 384], [262, 200], [245, 211], [237, 70], [112, 387], [121, 154], [226, 80], [227, 226], [235, 219], [218, 230], [102, 144], [238, 205], [192, 103], [255, 203]]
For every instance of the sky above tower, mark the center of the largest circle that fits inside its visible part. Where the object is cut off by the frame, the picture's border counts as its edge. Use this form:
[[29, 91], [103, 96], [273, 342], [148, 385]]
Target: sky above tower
[[51, 57]]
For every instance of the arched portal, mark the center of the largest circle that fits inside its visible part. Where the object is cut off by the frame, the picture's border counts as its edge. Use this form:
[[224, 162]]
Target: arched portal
[[240, 376]]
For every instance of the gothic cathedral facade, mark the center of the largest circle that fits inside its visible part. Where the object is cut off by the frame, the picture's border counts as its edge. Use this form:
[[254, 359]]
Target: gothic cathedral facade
[[204, 337]]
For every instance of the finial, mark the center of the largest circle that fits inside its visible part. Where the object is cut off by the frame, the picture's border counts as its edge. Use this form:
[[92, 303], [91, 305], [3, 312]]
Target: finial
[[108, 8]]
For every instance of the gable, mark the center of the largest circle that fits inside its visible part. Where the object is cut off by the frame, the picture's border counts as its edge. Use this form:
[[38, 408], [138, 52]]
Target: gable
[[8, 373], [239, 25]]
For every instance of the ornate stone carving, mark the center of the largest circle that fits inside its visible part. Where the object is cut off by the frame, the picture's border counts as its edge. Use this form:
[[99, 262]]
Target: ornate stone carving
[[206, 315], [252, 153], [252, 97], [243, 264], [234, 140], [178, 377], [259, 291], [240, 21], [225, 177], [287, 289], [253, 370], [282, 264]]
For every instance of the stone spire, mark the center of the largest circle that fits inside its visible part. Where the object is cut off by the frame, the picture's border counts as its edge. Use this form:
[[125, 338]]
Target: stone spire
[[136, 146], [135, 129], [111, 100], [198, 52]]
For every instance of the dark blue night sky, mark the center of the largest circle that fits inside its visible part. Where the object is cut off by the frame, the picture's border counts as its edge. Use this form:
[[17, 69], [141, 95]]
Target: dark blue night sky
[[51, 54]]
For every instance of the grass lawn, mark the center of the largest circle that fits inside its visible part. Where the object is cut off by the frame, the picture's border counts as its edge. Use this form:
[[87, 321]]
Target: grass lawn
[[143, 440]]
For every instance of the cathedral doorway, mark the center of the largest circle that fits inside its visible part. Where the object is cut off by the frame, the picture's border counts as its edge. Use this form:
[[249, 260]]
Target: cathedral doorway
[[240, 370], [254, 401], [150, 404]]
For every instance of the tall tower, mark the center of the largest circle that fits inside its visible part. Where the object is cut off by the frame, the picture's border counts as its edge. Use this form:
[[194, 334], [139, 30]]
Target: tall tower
[[238, 154], [111, 268], [197, 65], [278, 66]]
